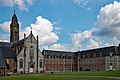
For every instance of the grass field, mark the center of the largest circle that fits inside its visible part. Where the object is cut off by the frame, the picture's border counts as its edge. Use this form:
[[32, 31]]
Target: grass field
[[98, 73], [64, 76]]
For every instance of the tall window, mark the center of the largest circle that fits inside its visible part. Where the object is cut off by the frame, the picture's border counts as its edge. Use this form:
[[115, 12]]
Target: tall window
[[15, 36], [111, 53], [41, 63], [94, 55], [21, 63], [31, 52]]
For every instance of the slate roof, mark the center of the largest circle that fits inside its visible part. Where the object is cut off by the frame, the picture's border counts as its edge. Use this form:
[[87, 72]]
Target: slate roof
[[5, 44], [51, 52], [2, 61], [7, 52], [99, 52], [18, 43]]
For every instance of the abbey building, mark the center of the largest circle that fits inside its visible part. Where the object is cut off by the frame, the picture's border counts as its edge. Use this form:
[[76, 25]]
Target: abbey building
[[20, 56], [24, 56]]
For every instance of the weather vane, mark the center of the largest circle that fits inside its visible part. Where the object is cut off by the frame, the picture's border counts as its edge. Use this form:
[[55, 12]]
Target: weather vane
[[14, 11]]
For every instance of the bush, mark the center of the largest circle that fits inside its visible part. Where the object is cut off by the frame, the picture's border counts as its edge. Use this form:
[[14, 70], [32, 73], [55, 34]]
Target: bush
[[87, 70], [51, 72]]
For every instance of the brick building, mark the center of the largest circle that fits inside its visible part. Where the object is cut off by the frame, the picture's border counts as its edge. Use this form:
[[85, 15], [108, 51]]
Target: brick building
[[59, 61], [100, 59], [8, 57]]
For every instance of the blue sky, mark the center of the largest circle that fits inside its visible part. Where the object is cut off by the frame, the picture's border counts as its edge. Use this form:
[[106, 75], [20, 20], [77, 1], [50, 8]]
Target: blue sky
[[73, 23]]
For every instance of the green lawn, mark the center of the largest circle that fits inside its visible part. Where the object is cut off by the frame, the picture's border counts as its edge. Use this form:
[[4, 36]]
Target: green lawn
[[63, 76], [94, 73]]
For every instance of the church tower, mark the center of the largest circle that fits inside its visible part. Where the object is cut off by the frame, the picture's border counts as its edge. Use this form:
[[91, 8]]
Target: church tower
[[14, 29]]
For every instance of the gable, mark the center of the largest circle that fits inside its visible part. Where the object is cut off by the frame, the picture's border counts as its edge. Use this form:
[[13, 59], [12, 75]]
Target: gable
[[31, 38]]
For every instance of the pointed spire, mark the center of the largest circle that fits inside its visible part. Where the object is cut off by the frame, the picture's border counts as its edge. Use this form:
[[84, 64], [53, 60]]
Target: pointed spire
[[14, 21], [14, 28], [14, 17]]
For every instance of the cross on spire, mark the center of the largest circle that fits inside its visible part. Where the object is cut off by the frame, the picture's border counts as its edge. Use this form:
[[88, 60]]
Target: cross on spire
[[31, 29], [14, 11]]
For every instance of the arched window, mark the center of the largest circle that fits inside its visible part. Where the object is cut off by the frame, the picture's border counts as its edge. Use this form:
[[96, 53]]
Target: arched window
[[111, 54], [21, 63], [31, 55], [15, 35], [41, 63]]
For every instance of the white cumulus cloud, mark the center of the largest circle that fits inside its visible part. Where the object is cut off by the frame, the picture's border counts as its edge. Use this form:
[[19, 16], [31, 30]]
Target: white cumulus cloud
[[44, 29], [93, 43], [5, 26], [22, 4], [58, 47], [79, 37], [4, 41], [108, 21]]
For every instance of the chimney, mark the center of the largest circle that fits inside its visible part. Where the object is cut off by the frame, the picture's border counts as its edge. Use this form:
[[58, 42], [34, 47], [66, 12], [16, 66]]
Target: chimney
[[24, 36]]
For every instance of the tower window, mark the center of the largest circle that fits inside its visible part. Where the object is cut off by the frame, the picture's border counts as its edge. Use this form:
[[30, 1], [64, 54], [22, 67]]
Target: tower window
[[15, 36]]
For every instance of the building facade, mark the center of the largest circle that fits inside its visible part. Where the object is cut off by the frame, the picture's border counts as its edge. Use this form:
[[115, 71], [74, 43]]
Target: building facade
[[100, 59], [59, 61], [28, 56]]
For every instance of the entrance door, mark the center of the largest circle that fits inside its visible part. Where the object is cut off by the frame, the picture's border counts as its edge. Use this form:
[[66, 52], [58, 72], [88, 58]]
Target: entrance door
[[31, 70], [111, 68]]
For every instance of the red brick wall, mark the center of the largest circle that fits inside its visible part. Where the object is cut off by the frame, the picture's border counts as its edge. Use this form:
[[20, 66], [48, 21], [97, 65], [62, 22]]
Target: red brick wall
[[2, 72], [12, 64], [54, 64], [94, 64]]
